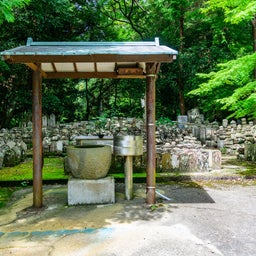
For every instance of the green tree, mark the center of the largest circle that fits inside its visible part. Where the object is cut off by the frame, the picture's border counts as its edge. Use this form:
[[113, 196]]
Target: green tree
[[202, 38], [181, 25], [7, 9], [235, 13], [125, 17], [232, 87], [14, 101], [46, 20]]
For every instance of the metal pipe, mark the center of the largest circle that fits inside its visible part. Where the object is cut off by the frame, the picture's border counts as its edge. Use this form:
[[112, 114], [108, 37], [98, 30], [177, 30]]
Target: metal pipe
[[37, 137], [151, 147], [128, 177], [163, 196]]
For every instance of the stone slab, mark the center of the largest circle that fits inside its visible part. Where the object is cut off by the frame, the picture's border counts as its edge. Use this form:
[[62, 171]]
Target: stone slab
[[83, 191]]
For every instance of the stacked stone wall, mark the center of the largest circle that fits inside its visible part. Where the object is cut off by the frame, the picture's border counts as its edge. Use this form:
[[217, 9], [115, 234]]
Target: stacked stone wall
[[12, 148], [232, 138], [178, 144]]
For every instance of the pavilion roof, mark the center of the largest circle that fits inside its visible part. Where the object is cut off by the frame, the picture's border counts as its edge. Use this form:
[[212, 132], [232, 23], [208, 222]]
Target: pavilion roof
[[90, 59]]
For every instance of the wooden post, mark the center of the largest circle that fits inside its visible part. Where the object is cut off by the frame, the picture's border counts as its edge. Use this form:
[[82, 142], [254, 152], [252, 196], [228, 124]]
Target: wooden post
[[37, 137], [150, 127], [128, 177]]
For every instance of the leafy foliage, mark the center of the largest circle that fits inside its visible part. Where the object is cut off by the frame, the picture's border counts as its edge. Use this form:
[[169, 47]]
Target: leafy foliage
[[235, 72], [235, 10], [127, 16], [236, 76], [232, 87], [205, 33], [7, 9]]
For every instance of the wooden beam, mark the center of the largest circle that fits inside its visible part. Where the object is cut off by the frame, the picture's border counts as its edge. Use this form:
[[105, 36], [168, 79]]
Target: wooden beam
[[54, 67], [74, 75], [130, 71], [75, 67], [34, 67], [89, 58]]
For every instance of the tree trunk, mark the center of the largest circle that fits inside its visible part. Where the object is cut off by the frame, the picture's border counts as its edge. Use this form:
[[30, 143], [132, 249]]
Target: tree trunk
[[180, 73], [101, 98], [254, 39], [88, 108]]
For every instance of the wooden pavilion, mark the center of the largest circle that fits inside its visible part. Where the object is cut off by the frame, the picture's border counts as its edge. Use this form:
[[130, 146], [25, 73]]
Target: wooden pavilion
[[52, 60]]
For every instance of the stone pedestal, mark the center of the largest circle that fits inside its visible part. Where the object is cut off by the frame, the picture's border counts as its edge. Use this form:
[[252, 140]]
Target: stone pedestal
[[213, 158], [128, 146], [83, 191]]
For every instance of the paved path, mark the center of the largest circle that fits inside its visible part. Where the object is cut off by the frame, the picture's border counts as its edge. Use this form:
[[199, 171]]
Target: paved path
[[197, 221]]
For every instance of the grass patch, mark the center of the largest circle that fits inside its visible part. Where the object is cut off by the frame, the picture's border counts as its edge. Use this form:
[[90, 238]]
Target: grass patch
[[249, 170], [122, 176], [53, 170]]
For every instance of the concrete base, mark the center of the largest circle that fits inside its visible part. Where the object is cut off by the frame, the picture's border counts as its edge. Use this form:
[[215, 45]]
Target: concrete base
[[100, 191]]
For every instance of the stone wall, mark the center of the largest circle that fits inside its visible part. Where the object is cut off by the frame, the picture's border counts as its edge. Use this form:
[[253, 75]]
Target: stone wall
[[12, 148], [180, 145], [233, 138]]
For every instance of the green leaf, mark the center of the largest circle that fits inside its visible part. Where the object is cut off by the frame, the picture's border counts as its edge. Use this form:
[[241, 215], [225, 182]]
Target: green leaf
[[7, 9]]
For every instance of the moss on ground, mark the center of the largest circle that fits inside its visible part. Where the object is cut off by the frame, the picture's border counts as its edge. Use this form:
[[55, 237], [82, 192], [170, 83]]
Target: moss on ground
[[250, 171], [53, 170], [5, 194], [249, 167]]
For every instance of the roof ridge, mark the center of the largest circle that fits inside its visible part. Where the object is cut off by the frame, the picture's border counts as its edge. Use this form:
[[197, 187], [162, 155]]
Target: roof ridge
[[30, 42]]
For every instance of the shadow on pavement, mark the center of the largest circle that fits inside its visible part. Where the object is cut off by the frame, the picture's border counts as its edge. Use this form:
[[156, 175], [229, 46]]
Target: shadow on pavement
[[186, 191], [56, 214], [178, 193]]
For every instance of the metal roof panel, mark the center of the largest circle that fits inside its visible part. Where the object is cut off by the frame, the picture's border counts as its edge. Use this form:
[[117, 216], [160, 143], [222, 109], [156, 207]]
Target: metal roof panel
[[90, 59], [89, 48]]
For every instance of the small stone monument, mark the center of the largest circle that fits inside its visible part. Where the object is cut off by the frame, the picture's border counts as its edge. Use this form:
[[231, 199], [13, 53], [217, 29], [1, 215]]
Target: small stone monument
[[193, 115], [52, 120], [30, 124], [182, 121], [225, 123], [203, 133], [233, 123], [44, 121]]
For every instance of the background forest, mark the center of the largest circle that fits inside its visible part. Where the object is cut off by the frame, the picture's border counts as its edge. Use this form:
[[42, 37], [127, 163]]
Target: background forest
[[214, 71]]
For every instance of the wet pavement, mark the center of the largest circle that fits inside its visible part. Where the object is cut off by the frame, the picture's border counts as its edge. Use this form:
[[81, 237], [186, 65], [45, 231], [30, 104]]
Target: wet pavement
[[198, 220]]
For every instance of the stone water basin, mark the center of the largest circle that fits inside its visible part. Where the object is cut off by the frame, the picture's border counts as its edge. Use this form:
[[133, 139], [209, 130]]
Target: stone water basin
[[88, 161]]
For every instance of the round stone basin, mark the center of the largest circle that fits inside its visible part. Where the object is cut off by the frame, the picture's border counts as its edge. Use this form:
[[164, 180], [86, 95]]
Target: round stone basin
[[88, 161]]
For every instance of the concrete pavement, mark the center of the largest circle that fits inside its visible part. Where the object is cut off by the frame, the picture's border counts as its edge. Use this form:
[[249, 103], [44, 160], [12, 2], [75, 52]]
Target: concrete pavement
[[198, 220]]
